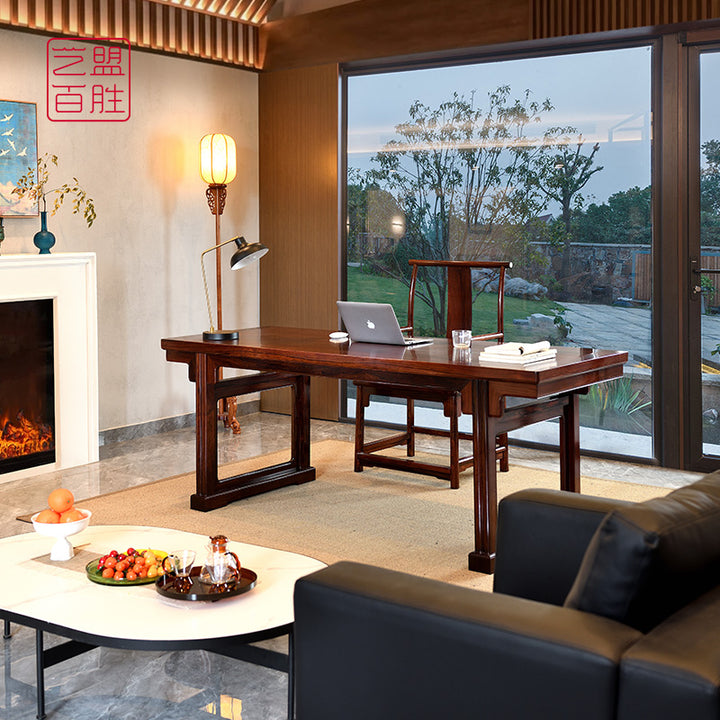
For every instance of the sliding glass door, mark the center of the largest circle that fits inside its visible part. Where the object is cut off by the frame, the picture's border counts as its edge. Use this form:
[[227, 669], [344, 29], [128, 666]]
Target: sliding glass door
[[544, 161], [704, 249]]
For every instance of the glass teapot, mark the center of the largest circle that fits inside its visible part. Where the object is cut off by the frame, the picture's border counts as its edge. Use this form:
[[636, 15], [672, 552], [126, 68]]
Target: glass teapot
[[221, 565]]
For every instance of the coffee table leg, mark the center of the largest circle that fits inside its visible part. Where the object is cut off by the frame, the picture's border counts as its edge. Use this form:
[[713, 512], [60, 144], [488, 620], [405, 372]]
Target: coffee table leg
[[6, 629], [40, 674], [291, 676]]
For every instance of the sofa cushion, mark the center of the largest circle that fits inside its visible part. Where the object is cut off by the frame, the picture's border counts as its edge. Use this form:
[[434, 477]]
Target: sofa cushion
[[648, 560]]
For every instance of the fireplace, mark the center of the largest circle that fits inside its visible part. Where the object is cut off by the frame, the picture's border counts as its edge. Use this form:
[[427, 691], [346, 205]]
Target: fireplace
[[27, 385], [53, 298]]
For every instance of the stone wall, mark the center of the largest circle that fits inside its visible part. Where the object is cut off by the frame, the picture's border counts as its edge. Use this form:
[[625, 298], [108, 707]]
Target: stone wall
[[603, 273], [599, 273]]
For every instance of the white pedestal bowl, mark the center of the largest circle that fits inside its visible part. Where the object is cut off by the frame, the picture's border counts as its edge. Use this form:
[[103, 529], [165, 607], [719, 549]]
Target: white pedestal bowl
[[63, 548]]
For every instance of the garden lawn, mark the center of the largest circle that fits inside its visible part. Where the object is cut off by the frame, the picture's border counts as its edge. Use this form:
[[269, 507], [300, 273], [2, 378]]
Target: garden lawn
[[364, 287]]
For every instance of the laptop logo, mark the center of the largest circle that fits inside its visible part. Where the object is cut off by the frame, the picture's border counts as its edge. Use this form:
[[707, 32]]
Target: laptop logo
[[370, 324]]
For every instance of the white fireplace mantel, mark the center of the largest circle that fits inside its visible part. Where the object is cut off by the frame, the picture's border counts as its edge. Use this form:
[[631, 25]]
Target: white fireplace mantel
[[69, 279]]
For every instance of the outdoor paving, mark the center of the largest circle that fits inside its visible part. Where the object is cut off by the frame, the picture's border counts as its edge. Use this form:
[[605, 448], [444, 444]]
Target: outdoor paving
[[623, 328]]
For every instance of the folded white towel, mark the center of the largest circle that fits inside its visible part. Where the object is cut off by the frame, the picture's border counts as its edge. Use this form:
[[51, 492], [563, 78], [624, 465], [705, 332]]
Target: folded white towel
[[516, 348]]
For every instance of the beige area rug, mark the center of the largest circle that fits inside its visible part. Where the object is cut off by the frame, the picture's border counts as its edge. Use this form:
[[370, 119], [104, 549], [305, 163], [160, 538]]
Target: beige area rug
[[382, 517]]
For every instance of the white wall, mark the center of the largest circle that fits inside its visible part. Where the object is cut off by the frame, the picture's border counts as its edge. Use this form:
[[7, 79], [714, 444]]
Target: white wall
[[153, 220]]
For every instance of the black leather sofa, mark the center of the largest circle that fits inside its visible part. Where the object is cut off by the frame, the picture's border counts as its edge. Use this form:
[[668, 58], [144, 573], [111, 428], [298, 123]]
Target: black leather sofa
[[601, 610]]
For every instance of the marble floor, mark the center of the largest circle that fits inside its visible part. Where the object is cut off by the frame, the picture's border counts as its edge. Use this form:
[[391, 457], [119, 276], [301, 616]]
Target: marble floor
[[127, 685]]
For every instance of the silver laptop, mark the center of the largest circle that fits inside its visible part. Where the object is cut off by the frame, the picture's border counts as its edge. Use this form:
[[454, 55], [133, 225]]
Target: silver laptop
[[375, 323]]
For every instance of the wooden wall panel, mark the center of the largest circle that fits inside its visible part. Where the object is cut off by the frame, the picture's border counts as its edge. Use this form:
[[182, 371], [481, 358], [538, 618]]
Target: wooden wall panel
[[371, 29], [378, 28], [299, 208]]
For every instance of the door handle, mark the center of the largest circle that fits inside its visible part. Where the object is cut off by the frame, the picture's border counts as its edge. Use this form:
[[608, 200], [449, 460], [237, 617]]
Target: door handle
[[694, 269]]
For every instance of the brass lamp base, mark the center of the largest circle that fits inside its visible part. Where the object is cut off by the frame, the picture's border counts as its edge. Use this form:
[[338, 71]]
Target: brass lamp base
[[221, 335]]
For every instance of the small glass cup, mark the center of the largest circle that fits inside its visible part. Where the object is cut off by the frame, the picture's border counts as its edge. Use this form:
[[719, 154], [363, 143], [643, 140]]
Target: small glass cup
[[181, 562], [462, 339]]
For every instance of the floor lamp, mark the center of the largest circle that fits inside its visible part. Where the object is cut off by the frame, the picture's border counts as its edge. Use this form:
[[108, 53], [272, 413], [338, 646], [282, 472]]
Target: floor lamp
[[218, 168]]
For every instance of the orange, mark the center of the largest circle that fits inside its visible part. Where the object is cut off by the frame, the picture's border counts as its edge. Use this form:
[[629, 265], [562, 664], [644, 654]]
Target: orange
[[48, 516], [71, 515], [60, 500]]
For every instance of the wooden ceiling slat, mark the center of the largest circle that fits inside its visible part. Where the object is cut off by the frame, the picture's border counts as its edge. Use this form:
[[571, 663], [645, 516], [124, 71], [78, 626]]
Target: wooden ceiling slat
[[233, 9], [254, 11], [65, 13], [191, 34], [140, 23], [126, 20], [202, 34], [165, 27], [206, 29], [152, 10], [180, 17]]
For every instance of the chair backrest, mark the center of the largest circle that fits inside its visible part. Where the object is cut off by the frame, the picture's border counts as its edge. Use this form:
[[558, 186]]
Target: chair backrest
[[460, 293]]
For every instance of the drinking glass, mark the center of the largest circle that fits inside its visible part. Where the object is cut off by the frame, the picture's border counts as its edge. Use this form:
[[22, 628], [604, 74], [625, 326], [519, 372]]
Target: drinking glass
[[461, 339], [182, 562]]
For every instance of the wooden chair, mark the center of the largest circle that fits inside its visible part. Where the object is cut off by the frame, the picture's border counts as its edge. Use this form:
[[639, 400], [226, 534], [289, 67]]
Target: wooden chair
[[455, 400]]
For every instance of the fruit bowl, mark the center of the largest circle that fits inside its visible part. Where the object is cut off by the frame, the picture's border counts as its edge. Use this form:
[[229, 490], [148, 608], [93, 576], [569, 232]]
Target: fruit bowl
[[62, 549]]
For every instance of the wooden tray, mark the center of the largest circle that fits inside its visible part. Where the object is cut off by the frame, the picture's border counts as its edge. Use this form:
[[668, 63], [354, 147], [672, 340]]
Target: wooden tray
[[195, 590]]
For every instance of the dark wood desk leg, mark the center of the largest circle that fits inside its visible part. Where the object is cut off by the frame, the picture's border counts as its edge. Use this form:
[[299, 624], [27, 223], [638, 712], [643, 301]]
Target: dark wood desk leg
[[40, 674], [301, 424], [482, 559], [206, 465], [570, 445], [6, 629]]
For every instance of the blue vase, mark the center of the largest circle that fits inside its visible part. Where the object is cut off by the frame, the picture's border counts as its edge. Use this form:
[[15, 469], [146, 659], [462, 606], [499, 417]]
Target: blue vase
[[44, 239]]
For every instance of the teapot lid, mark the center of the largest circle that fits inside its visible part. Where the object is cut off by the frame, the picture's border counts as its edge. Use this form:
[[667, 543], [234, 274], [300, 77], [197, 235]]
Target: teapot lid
[[218, 540]]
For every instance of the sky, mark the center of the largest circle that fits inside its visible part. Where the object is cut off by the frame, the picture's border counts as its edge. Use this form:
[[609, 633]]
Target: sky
[[709, 115], [605, 95]]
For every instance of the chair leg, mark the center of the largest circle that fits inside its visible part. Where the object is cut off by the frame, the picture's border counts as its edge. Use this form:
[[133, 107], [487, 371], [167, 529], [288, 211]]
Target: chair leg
[[505, 455], [359, 426], [410, 427], [454, 453]]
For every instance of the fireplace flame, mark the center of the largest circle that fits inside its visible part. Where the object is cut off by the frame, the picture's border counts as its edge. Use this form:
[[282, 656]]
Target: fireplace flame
[[21, 436]]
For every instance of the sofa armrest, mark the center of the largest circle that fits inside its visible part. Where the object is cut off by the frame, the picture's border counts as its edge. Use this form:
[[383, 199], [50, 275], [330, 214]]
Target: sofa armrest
[[375, 644], [673, 672], [542, 538]]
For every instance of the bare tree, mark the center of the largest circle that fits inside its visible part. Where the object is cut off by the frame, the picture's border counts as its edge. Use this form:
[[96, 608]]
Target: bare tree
[[461, 175], [562, 170]]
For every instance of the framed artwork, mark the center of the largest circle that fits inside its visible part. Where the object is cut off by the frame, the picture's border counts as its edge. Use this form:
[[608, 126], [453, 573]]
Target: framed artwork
[[18, 152]]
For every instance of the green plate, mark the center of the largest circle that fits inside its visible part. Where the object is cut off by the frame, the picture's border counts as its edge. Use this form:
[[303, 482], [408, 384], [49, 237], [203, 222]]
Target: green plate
[[91, 570]]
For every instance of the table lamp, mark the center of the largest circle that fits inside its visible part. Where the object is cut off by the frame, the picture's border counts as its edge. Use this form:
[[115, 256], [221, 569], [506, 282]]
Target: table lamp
[[245, 254]]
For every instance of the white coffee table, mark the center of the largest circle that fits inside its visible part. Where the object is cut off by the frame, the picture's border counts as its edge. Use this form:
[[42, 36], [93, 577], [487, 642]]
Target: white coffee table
[[57, 597]]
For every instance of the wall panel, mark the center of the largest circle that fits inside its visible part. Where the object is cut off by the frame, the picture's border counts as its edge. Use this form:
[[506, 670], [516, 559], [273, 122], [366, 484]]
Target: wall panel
[[299, 208], [555, 18], [378, 28]]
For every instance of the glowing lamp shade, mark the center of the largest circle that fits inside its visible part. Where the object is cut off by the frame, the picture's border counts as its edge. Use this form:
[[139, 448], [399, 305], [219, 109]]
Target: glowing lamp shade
[[217, 159]]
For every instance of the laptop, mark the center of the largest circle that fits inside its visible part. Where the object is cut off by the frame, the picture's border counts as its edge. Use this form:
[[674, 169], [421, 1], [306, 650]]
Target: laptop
[[375, 323]]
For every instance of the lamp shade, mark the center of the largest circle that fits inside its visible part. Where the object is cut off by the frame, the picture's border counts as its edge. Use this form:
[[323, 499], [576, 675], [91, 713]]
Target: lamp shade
[[246, 253], [217, 159]]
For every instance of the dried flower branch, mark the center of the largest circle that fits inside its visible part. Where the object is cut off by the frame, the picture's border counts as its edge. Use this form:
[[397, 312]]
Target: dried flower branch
[[33, 183]]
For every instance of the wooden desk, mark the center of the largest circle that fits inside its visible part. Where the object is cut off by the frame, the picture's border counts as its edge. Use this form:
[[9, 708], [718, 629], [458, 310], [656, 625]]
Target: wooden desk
[[289, 356]]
